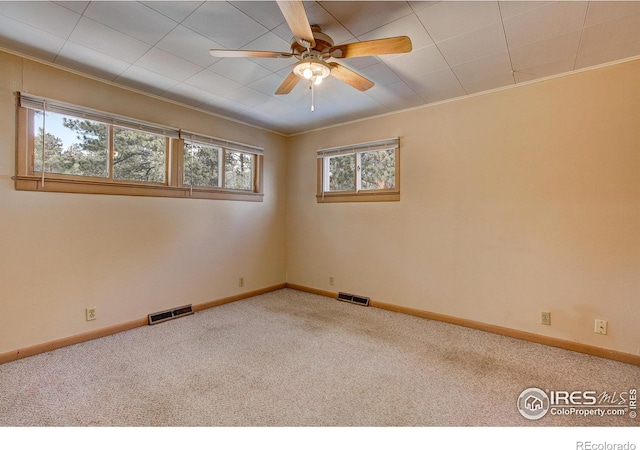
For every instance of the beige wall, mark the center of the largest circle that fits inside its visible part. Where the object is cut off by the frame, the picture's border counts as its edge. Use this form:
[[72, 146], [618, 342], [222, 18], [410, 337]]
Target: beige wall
[[128, 256], [513, 202]]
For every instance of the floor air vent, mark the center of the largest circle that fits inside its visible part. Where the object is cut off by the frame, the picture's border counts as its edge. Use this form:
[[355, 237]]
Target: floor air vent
[[169, 314], [358, 300]]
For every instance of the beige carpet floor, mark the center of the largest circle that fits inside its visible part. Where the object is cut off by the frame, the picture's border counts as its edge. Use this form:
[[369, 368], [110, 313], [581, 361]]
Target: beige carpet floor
[[289, 358]]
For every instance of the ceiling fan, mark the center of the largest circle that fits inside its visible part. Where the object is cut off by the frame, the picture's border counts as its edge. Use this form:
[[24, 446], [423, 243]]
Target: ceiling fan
[[313, 49]]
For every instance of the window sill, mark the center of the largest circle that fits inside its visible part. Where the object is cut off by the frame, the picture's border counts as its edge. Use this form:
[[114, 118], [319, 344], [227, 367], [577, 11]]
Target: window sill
[[343, 197], [34, 183]]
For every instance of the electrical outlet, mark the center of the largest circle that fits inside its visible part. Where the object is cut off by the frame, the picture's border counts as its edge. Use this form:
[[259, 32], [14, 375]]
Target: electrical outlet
[[330, 281], [92, 313], [241, 282], [601, 326], [545, 318]]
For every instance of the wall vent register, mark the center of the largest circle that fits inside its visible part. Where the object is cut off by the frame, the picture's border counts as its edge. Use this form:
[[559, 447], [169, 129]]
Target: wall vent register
[[350, 298], [169, 314]]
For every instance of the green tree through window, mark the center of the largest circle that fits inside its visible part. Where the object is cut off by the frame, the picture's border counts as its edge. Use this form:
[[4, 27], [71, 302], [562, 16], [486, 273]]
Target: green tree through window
[[365, 172], [378, 169], [342, 173], [201, 165], [86, 155], [67, 148], [238, 171], [138, 156]]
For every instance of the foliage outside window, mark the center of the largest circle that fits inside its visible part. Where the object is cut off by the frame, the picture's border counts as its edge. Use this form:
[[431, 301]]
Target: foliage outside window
[[201, 164], [341, 173], [65, 148], [81, 147], [139, 156], [238, 170], [361, 172], [204, 167], [378, 170]]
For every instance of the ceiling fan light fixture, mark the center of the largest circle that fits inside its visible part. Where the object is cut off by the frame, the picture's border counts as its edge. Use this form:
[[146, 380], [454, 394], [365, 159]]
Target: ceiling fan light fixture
[[314, 70]]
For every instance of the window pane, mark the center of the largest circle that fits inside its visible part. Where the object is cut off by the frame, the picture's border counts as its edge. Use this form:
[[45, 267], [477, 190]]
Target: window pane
[[342, 173], [138, 156], [238, 171], [72, 146], [201, 165], [378, 169]]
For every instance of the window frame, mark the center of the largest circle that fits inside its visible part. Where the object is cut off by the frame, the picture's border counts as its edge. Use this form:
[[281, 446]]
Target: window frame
[[223, 146], [219, 151], [358, 195], [27, 179], [224, 169]]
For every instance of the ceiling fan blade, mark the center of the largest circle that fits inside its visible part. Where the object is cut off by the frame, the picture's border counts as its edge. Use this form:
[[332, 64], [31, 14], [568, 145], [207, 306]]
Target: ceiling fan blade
[[223, 53], [398, 44], [296, 17], [288, 84], [350, 77]]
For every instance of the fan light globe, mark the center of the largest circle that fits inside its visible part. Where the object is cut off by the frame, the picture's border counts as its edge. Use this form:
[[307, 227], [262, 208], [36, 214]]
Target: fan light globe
[[307, 73], [312, 69]]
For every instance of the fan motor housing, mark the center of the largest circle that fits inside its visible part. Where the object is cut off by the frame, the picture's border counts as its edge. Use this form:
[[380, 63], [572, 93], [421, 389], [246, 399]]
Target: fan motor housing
[[323, 42]]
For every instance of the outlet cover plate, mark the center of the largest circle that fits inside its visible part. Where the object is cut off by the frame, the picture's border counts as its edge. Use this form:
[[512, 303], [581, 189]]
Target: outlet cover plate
[[92, 313], [601, 326], [545, 318]]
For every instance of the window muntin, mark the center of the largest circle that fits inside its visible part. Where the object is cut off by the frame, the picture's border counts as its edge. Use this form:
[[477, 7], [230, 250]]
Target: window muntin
[[360, 172]]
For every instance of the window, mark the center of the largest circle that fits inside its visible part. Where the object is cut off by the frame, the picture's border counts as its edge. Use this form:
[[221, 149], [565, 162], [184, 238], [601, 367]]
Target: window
[[360, 172], [214, 164], [67, 148], [73, 147], [238, 171], [80, 147], [377, 169], [341, 173], [202, 165], [139, 156]]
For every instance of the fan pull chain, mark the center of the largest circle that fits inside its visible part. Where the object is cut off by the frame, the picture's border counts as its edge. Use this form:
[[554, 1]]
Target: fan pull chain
[[312, 91]]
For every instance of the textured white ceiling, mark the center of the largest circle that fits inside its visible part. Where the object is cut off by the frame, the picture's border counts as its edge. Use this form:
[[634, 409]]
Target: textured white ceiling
[[459, 48]]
